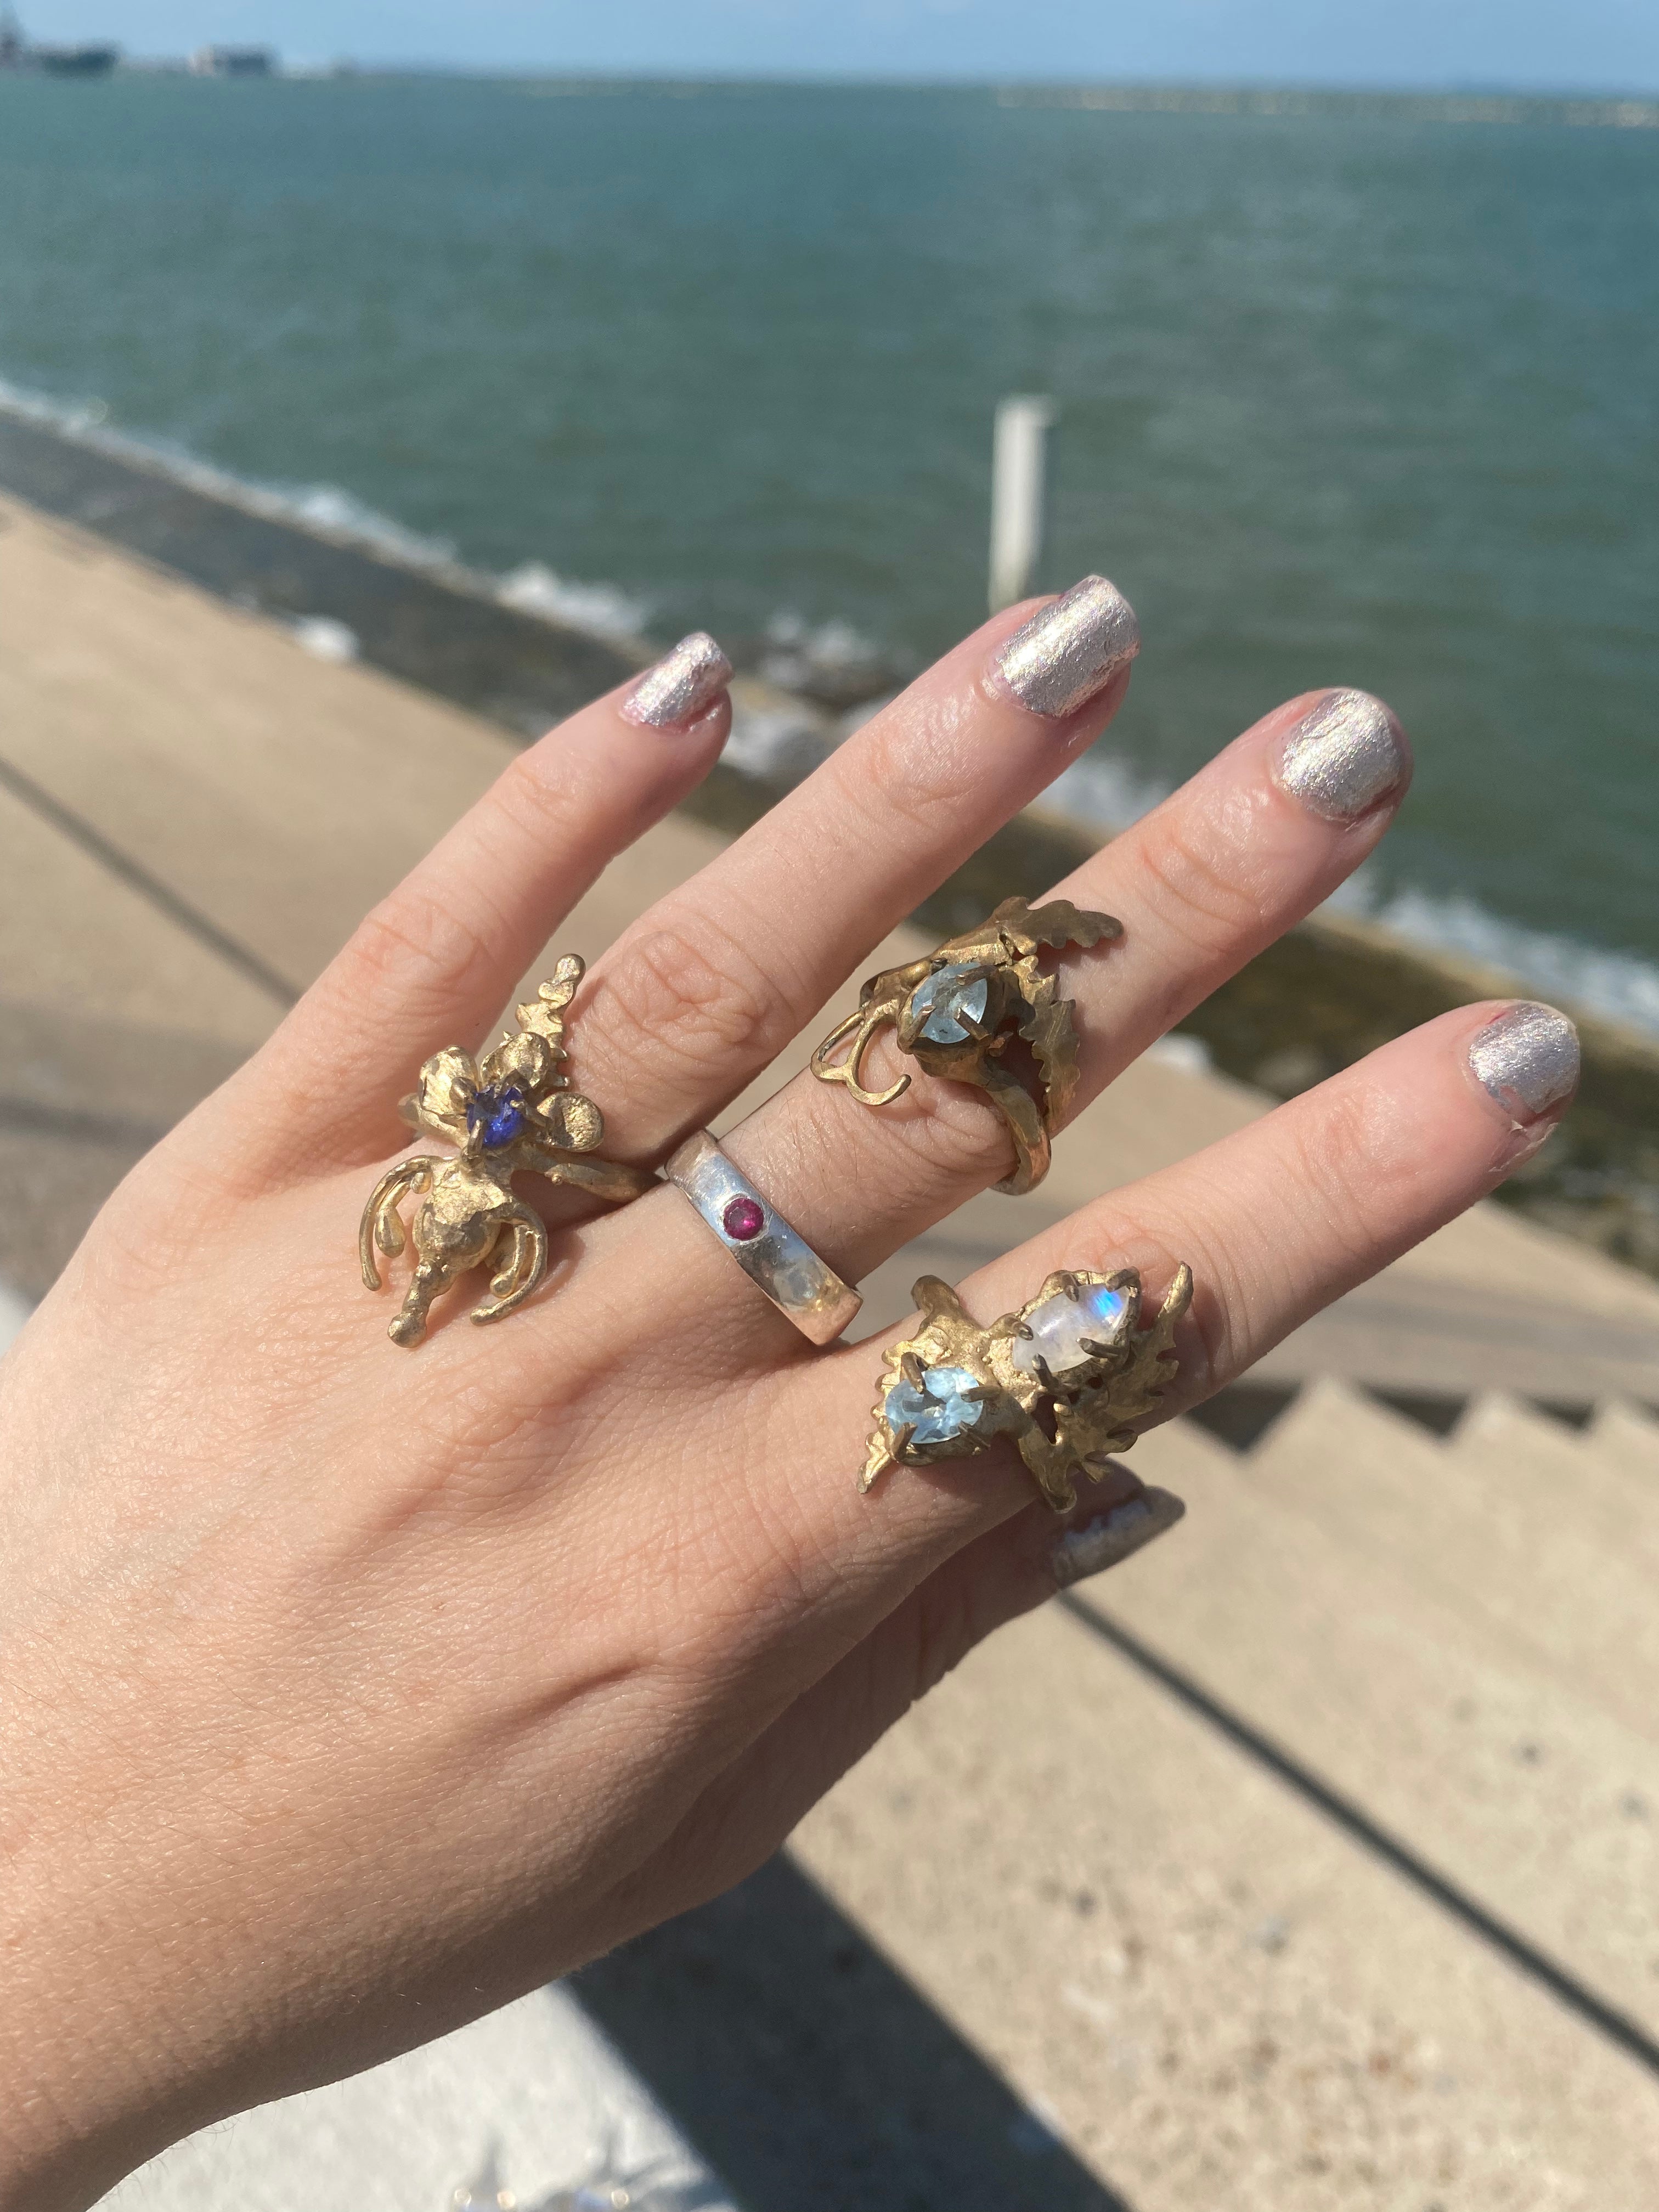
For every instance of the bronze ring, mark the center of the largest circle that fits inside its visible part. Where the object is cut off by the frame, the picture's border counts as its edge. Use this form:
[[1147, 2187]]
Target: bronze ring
[[957, 1011], [513, 1111], [1069, 1378]]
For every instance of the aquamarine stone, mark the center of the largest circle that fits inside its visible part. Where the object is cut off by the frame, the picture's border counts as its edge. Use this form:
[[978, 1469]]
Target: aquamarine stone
[[1060, 1325], [946, 995], [936, 1408]]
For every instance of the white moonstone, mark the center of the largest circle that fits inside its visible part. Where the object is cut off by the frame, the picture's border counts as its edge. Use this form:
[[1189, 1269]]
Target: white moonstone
[[1060, 1325]]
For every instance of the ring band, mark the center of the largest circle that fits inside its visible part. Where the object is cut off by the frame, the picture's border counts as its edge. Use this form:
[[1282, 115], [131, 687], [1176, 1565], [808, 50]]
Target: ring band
[[770, 1252], [956, 1012]]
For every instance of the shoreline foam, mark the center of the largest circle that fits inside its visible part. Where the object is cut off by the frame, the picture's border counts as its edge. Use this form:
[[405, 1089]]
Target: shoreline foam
[[1103, 790]]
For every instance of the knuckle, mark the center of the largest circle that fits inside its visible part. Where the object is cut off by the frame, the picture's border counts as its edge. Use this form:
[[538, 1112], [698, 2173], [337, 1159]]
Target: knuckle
[[412, 944], [1199, 895], [899, 778], [1340, 1160], [533, 801], [692, 993], [949, 1622]]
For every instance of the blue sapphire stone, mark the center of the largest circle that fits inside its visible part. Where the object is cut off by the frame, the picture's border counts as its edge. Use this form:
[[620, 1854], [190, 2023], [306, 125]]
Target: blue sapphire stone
[[936, 1408], [496, 1116]]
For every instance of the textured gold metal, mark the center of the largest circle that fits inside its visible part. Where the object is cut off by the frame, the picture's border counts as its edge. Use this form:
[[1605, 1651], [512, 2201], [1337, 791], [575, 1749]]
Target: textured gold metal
[[1022, 999], [1062, 1426], [469, 1217]]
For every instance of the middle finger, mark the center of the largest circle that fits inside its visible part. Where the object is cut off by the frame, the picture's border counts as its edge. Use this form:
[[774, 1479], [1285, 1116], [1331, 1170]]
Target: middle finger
[[707, 987]]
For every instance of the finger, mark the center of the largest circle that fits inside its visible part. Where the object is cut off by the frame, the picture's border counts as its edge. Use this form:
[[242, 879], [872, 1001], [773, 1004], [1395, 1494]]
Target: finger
[[435, 962], [1276, 1222], [751, 1808], [1234, 859], [705, 989], [1300, 1207]]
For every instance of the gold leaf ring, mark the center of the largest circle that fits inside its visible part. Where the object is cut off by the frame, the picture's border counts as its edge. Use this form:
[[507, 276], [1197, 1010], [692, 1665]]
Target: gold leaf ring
[[514, 1110], [957, 1011], [1069, 1378]]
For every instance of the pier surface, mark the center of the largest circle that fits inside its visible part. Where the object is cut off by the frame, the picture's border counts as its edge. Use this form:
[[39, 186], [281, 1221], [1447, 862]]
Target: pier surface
[[1312, 1861]]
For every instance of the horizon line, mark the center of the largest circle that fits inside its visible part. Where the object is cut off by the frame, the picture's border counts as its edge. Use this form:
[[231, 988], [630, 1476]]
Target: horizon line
[[304, 67]]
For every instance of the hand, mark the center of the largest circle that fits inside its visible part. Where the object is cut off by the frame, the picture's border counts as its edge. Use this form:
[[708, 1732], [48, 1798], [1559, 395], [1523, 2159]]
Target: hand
[[347, 1692]]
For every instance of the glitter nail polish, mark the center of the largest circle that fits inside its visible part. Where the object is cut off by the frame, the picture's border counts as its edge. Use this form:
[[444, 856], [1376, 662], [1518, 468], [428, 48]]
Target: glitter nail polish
[[682, 684], [1528, 1058], [1342, 756], [1109, 1537], [1057, 662]]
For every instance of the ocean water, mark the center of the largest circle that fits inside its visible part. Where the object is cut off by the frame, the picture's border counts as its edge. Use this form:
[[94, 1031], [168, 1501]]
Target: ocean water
[[1348, 396]]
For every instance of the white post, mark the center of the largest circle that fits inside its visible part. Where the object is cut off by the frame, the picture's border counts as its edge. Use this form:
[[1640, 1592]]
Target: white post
[[1017, 472]]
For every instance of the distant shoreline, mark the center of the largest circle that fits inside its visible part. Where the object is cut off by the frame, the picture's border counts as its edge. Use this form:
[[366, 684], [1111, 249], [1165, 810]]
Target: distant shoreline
[[1636, 107]]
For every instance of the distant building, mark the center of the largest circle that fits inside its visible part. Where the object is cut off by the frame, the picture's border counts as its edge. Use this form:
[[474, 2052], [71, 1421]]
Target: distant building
[[16, 53], [74, 61], [233, 61]]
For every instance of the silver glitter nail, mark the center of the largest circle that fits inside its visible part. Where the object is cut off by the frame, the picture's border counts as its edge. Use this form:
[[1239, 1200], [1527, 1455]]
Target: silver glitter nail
[[1101, 1543], [1343, 757], [682, 683], [1528, 1059], [1057, 661]]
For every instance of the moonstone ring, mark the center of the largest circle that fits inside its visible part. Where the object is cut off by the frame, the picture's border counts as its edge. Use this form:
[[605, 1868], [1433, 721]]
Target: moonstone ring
[[1068, 1379], [771, 1253]]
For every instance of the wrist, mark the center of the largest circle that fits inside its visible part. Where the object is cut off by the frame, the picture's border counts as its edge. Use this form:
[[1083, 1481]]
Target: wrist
[[75, 2114]]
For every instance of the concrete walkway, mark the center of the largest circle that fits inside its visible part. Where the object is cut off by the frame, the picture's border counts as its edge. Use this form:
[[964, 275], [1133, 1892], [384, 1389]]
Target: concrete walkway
[[1311, 1862]]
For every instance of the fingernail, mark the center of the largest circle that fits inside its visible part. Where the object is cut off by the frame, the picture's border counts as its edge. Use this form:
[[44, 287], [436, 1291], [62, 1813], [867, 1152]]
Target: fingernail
[[1101, 1542], [682, 684], [1343, 757], [1059, 659], [1528, 1058]]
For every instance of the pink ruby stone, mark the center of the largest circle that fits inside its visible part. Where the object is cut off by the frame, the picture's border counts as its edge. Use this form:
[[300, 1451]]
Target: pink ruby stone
[[743, 1219]]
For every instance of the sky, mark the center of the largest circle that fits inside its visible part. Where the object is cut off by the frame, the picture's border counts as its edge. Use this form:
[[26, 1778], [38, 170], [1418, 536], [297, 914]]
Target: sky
[[1525, 44]]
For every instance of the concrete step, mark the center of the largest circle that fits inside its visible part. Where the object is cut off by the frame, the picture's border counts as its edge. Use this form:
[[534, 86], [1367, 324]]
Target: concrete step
[[1628, 1436], [1446, 1730], [1213, 1994], [1510, 1442], [1512, 1522]]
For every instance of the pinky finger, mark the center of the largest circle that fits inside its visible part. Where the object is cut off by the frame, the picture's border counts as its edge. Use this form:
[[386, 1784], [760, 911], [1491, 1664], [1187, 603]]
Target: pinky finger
[[744, 1816]]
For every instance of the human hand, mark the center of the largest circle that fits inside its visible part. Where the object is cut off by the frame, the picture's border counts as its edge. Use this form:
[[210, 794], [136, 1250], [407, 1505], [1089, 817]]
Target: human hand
[[347, 1692]]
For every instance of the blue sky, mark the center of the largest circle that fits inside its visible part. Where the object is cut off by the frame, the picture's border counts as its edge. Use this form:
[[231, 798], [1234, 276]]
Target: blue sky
[[1610, 45]]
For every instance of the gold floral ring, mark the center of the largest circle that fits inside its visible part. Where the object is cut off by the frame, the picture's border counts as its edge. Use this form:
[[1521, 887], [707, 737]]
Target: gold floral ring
[[957, 1011], [1070, 1378], [514, 1110]]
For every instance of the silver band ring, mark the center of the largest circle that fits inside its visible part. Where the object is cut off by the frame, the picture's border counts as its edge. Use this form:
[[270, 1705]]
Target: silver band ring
[[771, 1253]]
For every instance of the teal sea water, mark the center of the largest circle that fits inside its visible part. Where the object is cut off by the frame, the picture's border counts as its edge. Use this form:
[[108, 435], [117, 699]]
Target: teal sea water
[[1362, 397]]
